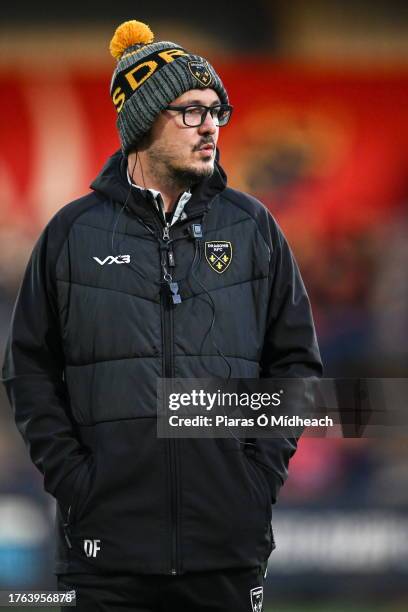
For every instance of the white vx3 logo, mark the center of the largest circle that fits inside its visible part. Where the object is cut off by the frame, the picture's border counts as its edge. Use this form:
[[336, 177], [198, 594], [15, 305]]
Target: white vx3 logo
[[120, 259]]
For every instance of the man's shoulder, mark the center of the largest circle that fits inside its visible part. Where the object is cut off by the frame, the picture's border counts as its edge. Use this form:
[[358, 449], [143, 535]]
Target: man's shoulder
[[246, 202], [72, 211], [83, 210], [249, 206], [92, 209]]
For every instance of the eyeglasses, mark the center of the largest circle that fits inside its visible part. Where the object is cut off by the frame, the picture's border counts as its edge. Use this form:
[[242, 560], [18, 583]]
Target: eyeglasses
[[195, 114]]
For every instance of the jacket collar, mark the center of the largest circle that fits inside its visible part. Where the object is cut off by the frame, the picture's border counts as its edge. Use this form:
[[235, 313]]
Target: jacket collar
[[112, 182]]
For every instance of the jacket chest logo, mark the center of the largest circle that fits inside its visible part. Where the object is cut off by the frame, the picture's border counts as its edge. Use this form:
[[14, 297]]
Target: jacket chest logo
[[110, 259], [218, 255]]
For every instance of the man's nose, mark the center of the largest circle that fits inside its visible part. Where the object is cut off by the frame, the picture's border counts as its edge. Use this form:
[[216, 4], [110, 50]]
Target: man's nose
[[208, 125]]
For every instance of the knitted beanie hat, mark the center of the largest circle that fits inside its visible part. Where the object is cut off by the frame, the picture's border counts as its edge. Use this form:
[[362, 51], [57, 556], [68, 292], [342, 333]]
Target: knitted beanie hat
[[149, 76]]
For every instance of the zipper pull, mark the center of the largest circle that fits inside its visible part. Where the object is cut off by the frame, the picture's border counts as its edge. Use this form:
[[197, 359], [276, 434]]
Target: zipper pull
[[170, 257], [170, 261], [175, 296]]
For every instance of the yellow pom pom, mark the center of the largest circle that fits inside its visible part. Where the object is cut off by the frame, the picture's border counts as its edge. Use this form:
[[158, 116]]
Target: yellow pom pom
[[127, 34]]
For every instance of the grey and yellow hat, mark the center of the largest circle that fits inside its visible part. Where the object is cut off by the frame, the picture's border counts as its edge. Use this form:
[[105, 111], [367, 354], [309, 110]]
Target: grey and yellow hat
[[149, 76]]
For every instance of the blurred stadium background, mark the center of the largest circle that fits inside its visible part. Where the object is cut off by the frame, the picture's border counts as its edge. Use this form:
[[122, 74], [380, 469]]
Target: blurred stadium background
[[320, 135]]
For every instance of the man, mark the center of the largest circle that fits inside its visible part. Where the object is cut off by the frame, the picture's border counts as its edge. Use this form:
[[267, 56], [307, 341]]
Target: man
[[161, 271]]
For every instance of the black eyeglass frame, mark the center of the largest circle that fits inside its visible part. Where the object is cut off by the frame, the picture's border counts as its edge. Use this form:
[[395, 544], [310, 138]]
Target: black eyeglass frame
[[206, 110]]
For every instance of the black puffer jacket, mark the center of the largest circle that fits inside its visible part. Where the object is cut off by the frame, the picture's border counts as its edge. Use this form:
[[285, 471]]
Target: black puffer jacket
[[93, 329]]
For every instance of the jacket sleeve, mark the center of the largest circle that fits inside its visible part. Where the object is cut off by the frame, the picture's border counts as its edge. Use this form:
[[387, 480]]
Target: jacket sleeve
[[290, 348], [33, 376]]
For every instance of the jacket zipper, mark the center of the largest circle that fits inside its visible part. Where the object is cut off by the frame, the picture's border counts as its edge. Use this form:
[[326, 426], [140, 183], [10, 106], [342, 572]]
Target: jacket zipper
[[170, 298]]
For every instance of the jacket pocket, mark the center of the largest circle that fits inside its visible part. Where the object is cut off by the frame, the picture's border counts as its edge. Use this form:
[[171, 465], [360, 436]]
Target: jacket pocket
[[76, 506], [254, 471], [262, 483]]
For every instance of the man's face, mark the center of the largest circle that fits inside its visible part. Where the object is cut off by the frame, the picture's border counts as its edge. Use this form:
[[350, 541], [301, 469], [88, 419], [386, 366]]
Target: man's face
[[184, 153]]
